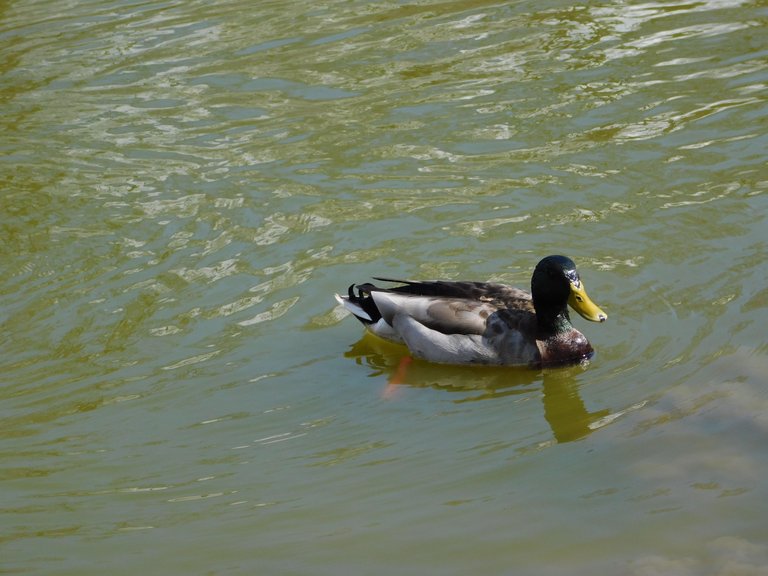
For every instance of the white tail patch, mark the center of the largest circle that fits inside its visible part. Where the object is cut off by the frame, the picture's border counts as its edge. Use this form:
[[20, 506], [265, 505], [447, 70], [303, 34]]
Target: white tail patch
[[354, 308]]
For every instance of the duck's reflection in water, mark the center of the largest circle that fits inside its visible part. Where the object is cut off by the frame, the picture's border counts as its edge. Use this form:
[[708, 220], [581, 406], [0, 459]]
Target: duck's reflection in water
[[564, 409]]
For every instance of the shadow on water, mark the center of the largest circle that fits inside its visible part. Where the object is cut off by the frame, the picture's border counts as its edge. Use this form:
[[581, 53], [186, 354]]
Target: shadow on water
[[564, 408]]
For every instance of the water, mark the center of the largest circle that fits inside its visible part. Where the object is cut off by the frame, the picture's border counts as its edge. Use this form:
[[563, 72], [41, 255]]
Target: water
[[185, 186]]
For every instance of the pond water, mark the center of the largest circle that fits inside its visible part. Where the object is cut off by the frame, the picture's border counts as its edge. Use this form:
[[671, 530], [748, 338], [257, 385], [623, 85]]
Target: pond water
[[184, 186]]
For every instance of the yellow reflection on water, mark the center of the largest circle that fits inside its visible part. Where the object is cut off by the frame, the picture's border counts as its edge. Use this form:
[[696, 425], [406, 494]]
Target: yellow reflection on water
[[564, 408]]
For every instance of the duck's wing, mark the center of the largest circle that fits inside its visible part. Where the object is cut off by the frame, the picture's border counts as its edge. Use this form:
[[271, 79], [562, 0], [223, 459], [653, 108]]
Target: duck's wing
[[461, 330], [446, 315], [450, 322], [449, 307], [505, 296]]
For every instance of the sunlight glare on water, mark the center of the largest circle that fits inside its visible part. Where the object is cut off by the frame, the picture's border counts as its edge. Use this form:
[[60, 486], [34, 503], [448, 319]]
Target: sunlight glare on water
[[186, 185]]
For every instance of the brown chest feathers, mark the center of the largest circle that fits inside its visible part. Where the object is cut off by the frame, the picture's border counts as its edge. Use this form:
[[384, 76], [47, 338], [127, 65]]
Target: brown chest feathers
[[569, 347]]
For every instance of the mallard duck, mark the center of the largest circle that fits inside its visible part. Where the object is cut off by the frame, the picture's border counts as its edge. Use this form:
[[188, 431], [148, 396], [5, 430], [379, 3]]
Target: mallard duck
[[482, 322]]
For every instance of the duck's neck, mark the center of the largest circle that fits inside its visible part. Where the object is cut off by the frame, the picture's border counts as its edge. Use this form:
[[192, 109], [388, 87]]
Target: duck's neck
[[552, 322]]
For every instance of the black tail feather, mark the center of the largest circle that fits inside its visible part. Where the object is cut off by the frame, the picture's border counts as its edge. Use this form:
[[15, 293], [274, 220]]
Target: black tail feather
[[364, 300]]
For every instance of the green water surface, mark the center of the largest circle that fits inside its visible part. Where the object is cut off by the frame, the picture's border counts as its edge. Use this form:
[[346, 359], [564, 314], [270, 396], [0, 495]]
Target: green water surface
[[183, 187]]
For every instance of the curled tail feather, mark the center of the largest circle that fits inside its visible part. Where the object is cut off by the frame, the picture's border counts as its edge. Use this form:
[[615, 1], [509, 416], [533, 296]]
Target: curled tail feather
[[361, 305]]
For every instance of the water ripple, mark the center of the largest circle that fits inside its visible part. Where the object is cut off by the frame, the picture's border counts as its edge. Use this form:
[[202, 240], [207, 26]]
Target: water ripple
[[185, 185]]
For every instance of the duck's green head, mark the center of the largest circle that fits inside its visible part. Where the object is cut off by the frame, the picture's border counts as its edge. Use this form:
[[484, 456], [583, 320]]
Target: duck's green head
[[555, 283]]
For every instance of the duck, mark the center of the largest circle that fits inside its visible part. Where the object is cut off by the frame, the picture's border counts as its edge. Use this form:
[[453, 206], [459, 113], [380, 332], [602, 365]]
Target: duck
[[482, 323]]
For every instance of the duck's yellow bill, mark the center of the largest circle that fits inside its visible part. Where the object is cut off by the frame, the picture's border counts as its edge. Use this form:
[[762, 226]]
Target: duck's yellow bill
[[579, 301]]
